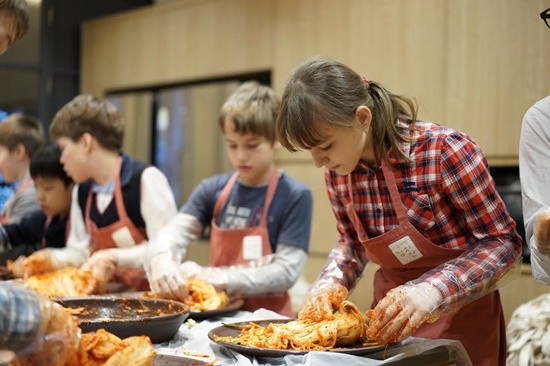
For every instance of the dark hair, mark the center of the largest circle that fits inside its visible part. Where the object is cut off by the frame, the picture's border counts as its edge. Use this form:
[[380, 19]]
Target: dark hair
[[19, 128], [20, 11], [46, 164], [325, 90], [253, 109], [88, 114]]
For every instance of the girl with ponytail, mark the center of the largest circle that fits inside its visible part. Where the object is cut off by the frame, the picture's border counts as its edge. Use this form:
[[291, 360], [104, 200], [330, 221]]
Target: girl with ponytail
[[412, 196]]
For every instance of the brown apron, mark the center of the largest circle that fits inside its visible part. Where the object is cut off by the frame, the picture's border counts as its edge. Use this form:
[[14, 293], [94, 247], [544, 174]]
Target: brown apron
[[226, 247], [479, 325], [102, 238], [4, 220]]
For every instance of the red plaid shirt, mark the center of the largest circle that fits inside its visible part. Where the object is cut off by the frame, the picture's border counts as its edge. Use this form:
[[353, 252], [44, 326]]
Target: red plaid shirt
[[450, 198]]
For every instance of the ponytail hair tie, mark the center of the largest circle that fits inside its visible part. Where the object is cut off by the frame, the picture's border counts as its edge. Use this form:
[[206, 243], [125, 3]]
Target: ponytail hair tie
[[367, 83]]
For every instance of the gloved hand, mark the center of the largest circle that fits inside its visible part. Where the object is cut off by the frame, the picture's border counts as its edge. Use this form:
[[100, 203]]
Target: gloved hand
[[402, 311], [37, 263], [57, 339], [165, 278], [321, 300], [541, 232], [17, 267], [101, 265], [213, 275]]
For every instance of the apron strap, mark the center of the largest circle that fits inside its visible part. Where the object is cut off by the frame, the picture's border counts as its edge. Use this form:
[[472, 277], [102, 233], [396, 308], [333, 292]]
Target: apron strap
[[226, 191], [394, 194], [225, 194], [120, 208]]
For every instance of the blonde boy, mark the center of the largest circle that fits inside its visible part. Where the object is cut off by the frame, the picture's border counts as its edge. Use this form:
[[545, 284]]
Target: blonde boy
[[259, 217]]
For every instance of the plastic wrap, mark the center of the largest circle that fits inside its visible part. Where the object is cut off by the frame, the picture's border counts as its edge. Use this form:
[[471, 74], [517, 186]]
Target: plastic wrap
[[273, 273], [269, 274], [351, 258], [216, 276], [41, 332], [165, 278], [37, 263], [167, 251], [322, 299], [220, 277], [402, 311], [443, 290], [18, 267], [174, 238], [480, 270], [101, 265]]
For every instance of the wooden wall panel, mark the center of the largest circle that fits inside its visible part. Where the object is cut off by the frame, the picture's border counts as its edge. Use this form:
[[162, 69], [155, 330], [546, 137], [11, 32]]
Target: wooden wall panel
[[175, 42], [137, 127], [498, 56]]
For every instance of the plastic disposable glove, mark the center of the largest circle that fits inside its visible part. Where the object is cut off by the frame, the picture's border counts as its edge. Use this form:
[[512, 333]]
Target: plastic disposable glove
[[57, 339], [37, 263], [321, 300], [165, 278], [541, 232], [214, 276], [402, 311], [17, 267], [101, 265]]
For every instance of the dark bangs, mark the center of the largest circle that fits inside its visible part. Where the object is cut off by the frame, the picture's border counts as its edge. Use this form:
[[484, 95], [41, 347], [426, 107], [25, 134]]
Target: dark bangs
[[46, 164]]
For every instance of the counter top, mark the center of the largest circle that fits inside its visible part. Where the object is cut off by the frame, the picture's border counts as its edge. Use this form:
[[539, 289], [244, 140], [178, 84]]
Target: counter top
[[191, 346]]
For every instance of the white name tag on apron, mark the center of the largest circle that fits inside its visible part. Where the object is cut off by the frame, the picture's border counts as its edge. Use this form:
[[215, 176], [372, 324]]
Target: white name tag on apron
[[252, 247], [405, 250], [123, 238]]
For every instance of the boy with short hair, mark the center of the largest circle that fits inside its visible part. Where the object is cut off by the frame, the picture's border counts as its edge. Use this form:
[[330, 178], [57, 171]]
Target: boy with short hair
[[21, 136], [259, 217], [47, 228], [118, 203]]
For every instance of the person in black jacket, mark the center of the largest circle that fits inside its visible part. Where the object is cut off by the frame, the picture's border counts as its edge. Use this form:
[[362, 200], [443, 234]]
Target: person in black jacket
[[49, 226]]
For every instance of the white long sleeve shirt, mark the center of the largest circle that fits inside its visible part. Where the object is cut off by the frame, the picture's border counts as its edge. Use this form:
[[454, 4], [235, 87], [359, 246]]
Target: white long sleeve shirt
[[157, 206], [534, 168]]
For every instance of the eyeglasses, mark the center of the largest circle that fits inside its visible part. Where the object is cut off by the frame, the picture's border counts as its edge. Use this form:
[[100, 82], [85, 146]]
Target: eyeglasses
[[545, 15]]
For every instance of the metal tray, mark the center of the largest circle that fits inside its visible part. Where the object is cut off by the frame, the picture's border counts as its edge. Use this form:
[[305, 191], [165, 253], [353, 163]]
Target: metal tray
[[233, 331], [235, 303], [126, 317]]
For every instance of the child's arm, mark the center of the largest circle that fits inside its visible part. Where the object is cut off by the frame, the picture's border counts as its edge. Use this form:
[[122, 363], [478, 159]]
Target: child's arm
[[273, 273], [175, 237]]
